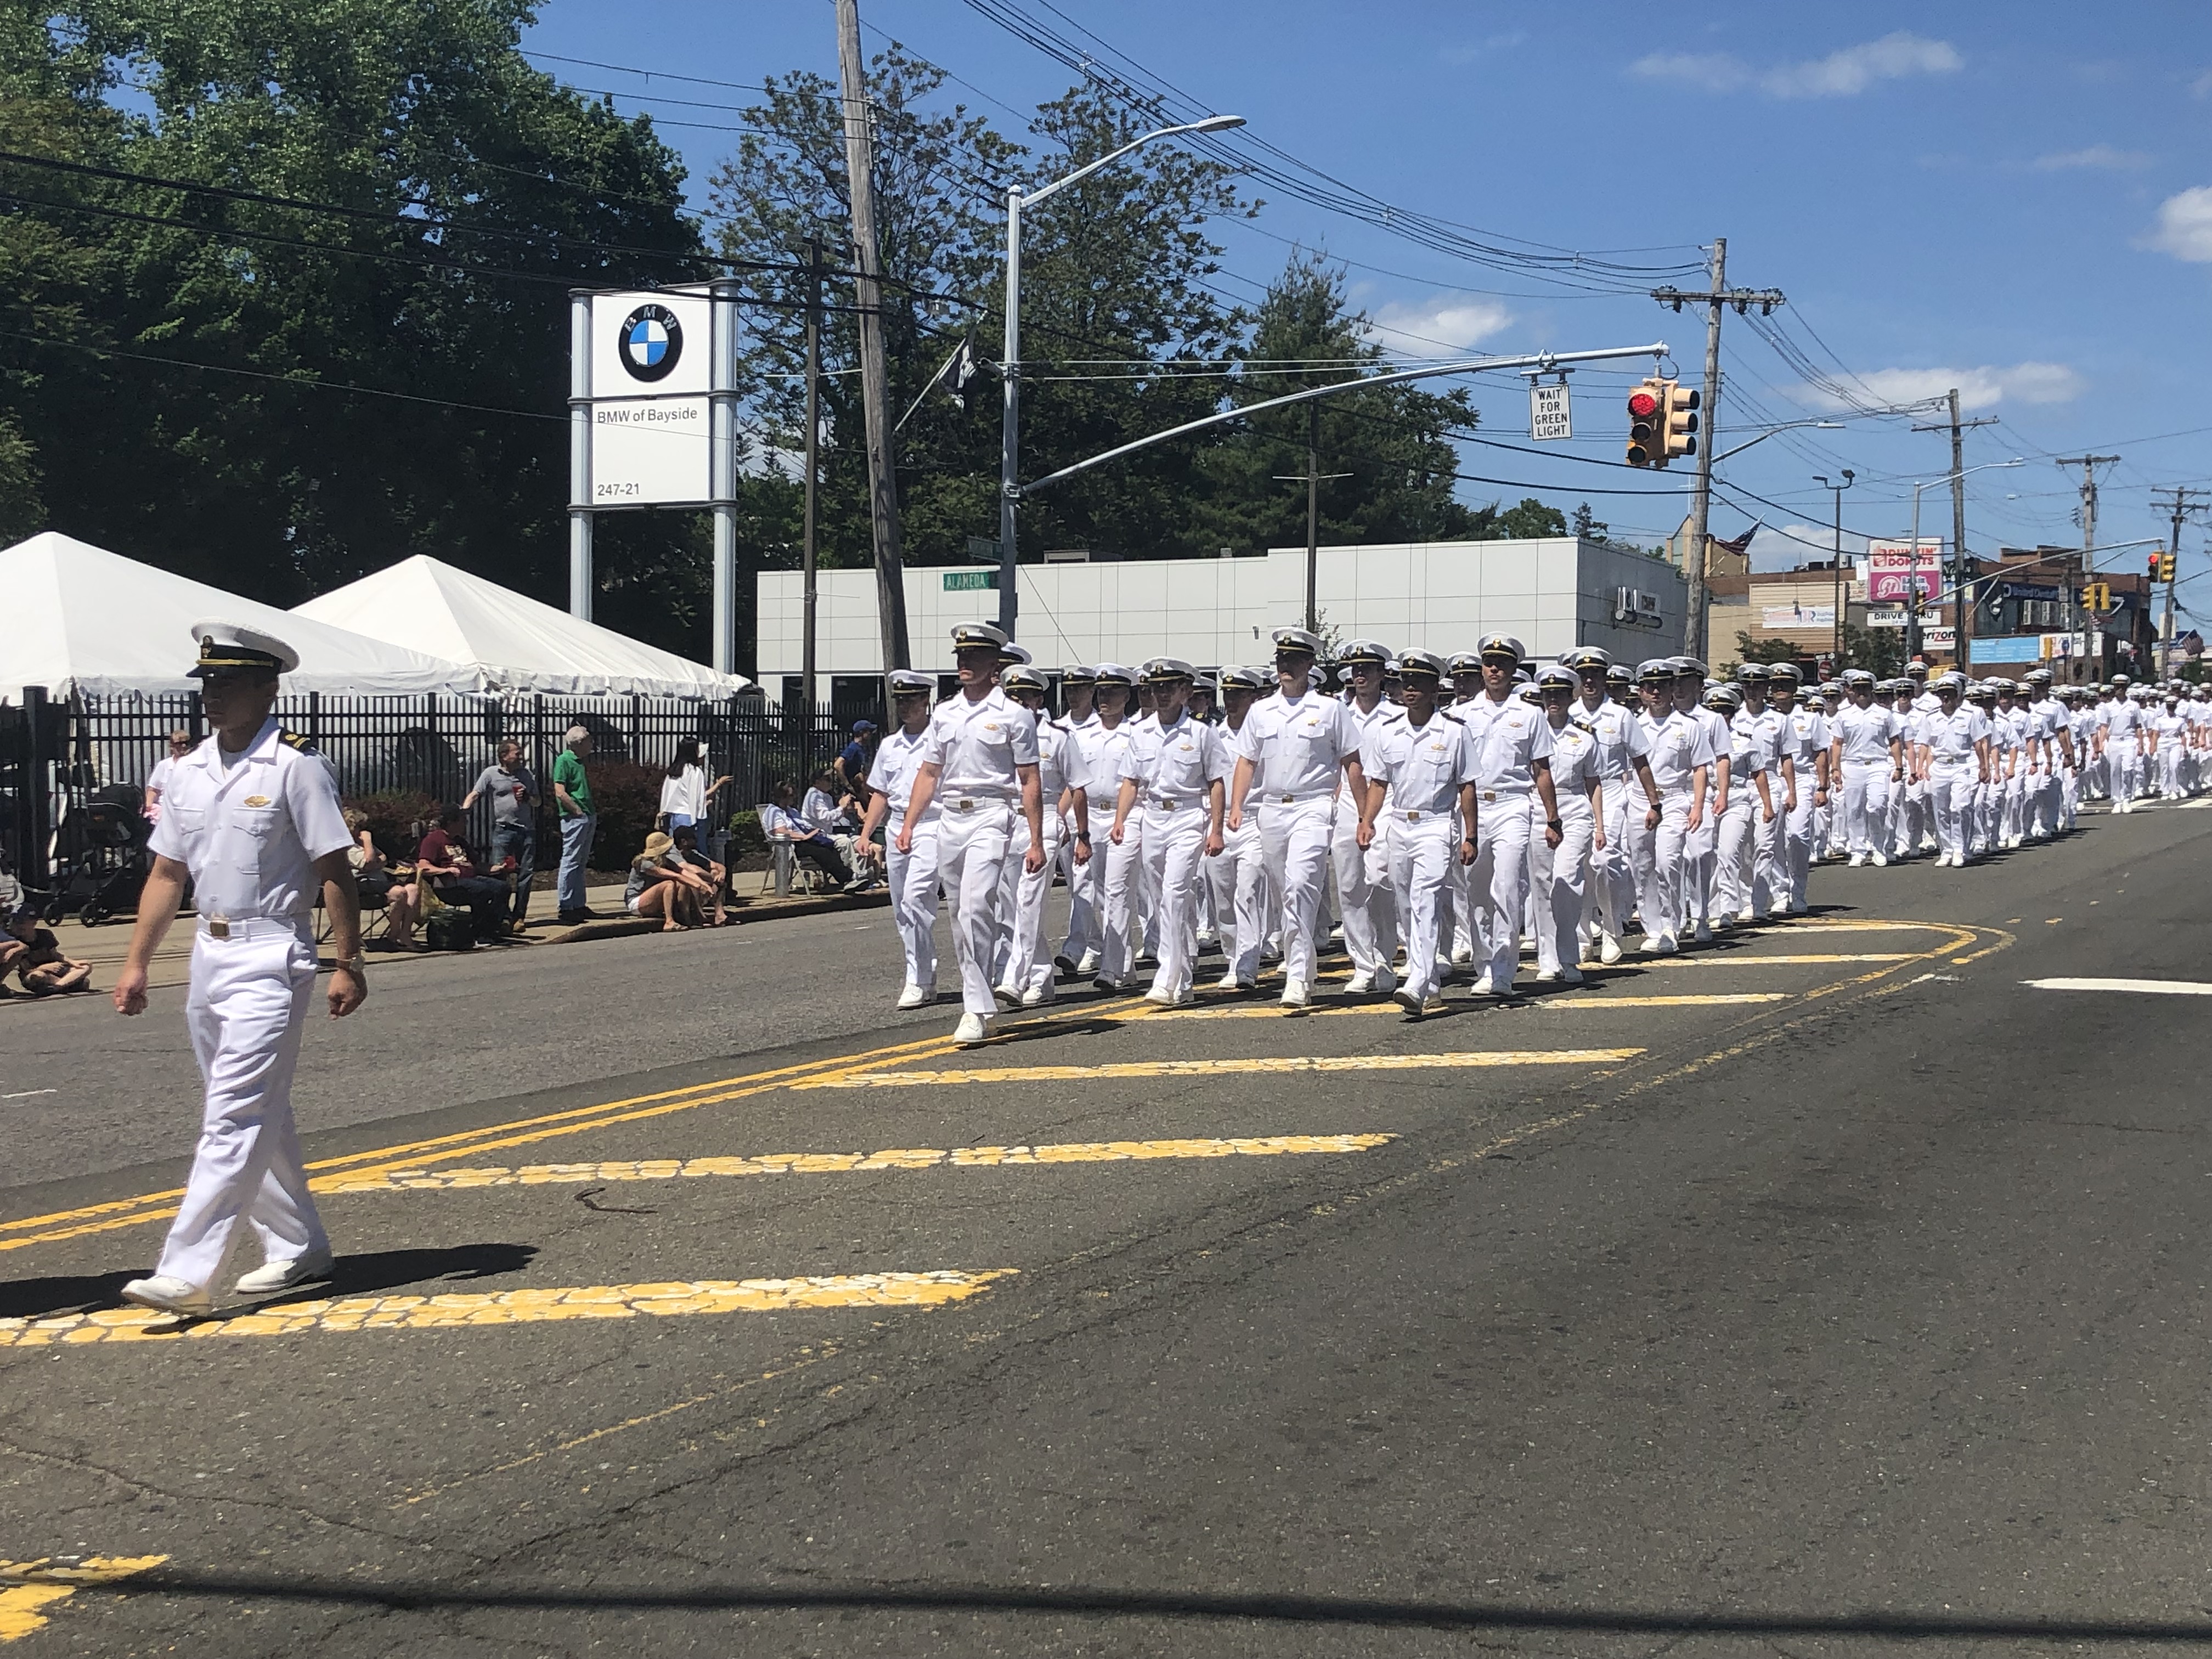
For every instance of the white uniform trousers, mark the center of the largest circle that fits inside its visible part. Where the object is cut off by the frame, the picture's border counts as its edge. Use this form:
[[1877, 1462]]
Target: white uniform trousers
[[1769, 869], [1500, 884], [1800, 833], [2127, 769], [1238, 883], [1028, 966], [1613, 880], [1701, 862], [1174, 850], [1086, 896], [1735, 852], [2169, 771], [1866, 806], [246, 1011], [1294, 837], [1660, 900], [1562, 877], [1119, 919], [1363, 891], [2069, 797], [1911, 827], [913, 879], [2014, 804], [1952, 789], [971, 859], [1424, 850], [1642, 851]]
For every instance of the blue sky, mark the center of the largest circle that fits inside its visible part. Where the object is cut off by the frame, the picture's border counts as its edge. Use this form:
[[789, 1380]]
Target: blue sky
[[2016, 200]]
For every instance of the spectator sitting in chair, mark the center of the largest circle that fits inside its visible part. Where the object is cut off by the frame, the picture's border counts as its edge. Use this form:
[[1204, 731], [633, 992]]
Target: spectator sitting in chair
[[381, 886], [831, 814], [443, 860], [34, 955], [662, 885], [687, 850], [779, 822]]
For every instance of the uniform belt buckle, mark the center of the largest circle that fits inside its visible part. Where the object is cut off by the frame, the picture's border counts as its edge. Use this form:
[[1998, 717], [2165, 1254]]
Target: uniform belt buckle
[[963, 805], [1412, 817], [1490, 795], [218, 926], [1164, 805], [1290, 801]]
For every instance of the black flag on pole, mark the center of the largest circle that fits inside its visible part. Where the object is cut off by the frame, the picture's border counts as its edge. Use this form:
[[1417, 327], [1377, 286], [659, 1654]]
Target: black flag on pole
[[953, 379]]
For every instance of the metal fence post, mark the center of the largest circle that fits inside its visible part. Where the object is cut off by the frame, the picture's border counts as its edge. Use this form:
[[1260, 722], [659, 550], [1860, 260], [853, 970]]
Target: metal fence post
[[38, 819]]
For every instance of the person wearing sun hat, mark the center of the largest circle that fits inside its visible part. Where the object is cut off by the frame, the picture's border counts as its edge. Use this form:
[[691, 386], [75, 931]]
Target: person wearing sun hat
[[252, 818]]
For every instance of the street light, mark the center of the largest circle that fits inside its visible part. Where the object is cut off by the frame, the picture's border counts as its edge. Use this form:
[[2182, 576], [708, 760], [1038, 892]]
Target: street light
[[1787, 426], [1913, 580], [1836, 654], [1010, 424]]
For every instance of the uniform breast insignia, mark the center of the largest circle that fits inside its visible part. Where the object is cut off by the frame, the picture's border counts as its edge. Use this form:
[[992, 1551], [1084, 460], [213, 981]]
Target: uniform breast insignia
[[257, 800], [304, 746]]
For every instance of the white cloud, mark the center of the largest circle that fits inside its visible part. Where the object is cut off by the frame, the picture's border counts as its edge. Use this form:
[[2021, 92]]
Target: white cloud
[[1489, 46], [2096, 156], [2201, 86], [1437, 328], [1841, 74], [2185, 226], [1794, 545], [1978, 388]]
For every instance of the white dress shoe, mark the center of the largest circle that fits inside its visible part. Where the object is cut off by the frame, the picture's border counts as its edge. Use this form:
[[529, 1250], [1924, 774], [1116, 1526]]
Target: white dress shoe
[[1360, 983], [974, 1029], [1858, 858], [271, 1276], [1608, 948], [1461, 955], [1169, 999], [1297, 994], [1483, 985], [1746, 916], [1009, 996], [1088, 965], [1105, 982], [169, 1295], [1548, 976], [917, 996], [1404, 996], [1064, 963], [1037, 996], [1230, 981]]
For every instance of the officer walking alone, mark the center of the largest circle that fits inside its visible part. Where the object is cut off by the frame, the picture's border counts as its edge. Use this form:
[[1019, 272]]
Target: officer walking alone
[[252, 816]]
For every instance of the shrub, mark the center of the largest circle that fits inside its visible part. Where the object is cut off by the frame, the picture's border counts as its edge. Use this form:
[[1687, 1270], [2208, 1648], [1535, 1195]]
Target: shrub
[[397, 820], [626, 796], [748, 846]]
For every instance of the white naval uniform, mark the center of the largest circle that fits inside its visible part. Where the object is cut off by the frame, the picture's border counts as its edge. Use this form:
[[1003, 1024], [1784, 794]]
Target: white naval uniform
[[249, 833], [1509, 736], [1297, 748], [1803, 739], [1865, 734], [1119, 869], [1678, 749], [1027, 964], [1702, 849], [977, 744], [2123, 751], [1618, 735], [1422, 768], [1241, 887], [1086, 883], [1561, 872], [1953, 774], [1363, 893], [1745, 828], [1174, 768], [912, 875]]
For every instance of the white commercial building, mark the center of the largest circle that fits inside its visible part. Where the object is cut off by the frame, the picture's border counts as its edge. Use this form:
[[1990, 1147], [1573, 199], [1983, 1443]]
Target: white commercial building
[[1551, 593]]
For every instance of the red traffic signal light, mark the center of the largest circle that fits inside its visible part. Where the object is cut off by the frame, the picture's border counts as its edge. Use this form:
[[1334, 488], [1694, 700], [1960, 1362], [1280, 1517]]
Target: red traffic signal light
[[2157, 561], [1647, 406]]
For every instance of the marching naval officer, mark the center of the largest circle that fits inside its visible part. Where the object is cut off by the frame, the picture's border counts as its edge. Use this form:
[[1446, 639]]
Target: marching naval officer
[[1425, 766], [252, 816], [1176, 769], [1363, 873], [909, 860], [979, 760]]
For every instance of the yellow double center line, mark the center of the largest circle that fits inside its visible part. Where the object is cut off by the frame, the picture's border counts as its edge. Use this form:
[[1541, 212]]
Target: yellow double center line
[[150, 1207]]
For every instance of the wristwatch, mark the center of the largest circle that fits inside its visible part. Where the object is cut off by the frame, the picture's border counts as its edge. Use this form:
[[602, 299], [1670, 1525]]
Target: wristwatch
[[352, 965], [1551, 824]]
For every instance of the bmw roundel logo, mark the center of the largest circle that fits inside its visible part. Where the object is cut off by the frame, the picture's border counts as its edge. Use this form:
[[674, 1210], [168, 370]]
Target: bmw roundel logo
[[651, 344]]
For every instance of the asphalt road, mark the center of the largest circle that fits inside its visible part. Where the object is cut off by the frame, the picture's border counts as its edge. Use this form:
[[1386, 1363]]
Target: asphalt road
[[1850, 1299]]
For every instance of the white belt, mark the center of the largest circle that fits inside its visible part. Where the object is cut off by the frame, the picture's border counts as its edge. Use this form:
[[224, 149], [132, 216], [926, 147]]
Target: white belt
[[1426, 815], [1273, 799], [1170, 803], [1505, 791], [973, 803], [252, 927]]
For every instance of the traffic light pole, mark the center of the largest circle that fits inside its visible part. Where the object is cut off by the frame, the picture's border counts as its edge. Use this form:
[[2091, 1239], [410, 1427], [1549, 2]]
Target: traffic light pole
[[2181, 507], [1958, 428], [1716, 297], [2088, 464]]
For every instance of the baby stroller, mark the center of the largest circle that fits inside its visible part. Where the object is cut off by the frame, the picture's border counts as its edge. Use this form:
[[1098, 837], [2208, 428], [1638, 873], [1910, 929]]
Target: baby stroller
[[102, 846]]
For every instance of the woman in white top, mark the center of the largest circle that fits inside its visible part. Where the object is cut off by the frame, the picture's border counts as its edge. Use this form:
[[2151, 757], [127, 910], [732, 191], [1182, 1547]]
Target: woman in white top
[[685, 792]]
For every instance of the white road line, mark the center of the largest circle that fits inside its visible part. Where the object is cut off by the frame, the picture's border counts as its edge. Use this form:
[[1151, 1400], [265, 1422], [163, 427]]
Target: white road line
[[2155, 987], [28, 1093]]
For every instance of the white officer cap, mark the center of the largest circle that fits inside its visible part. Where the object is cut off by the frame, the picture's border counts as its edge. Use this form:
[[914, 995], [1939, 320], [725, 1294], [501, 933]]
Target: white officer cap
[[1857, 677], [1587, 656], [1365, 650], [1166, 671], [1503, 645], [225, 645], [1233, 679], [1423, 666], [1115, 674], [1527, 692], [1012, 652], [1656, 668], [1558, 677], [1752, 674], [1720, 695], [1297, 639], [1020, 677], [1079, 674], [1785, 671], [975, 635], [1465, 662], [1687, 665], [907, 682], [1317, 676]]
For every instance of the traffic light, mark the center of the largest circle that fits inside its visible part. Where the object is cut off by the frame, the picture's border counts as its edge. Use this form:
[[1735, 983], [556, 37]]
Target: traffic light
[[2165, 565], [1647, 406], [1682, 421], [2157, 564], [2097, 597]]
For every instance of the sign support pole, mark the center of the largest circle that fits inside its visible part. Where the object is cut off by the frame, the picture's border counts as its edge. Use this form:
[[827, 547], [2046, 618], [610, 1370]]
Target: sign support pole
[[722, 468], [581, 580]]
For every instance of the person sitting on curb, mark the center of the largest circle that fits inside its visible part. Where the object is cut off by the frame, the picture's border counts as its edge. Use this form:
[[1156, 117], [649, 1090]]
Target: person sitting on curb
[[35, 956], [687, 850], [661, 884]]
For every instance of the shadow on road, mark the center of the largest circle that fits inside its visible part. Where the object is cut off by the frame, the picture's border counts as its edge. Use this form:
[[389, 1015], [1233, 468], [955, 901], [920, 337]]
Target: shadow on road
[[368, 1274], [43, 1298]]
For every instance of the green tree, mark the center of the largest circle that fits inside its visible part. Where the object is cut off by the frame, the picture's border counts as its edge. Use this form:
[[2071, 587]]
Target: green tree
[[1392, 442], [456, 193]]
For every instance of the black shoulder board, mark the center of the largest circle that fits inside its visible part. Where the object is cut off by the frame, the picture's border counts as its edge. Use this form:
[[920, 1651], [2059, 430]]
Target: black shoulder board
[[1453, 718], [304, 746]]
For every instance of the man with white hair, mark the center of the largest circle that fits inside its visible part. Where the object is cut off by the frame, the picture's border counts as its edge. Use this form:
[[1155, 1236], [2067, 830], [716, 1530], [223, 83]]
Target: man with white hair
[[572, 797]]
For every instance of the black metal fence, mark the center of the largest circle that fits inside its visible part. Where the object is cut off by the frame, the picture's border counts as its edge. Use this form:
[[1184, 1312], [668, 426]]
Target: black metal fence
[[55, 755]]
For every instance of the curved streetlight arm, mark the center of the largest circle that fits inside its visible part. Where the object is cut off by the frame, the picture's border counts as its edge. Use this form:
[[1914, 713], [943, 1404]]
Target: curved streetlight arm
[[1787, 426], [1211, 124]]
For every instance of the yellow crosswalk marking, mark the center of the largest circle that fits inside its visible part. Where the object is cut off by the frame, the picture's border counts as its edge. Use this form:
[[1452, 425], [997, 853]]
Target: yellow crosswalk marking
[[1245, 1065], [29, 1587], [895, 1158], [1717, 1000], [1749, 959], [415, 1313]]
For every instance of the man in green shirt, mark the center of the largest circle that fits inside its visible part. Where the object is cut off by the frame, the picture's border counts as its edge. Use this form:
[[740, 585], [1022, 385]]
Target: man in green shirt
[[572, 795]]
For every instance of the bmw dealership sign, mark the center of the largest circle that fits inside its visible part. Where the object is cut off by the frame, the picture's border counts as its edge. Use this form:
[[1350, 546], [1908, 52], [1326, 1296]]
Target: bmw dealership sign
[[651, 368]]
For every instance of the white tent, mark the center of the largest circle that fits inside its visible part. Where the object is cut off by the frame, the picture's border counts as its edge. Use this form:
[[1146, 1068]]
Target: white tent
[[517, 643], [83, 619]]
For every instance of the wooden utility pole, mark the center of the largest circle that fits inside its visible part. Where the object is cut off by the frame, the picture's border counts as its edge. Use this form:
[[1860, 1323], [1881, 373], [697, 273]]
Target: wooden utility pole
[[1716, 295], [875, 389], [2183, 502], [1959, 585], [1312, 479], [809, 584], [2088, 464]]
